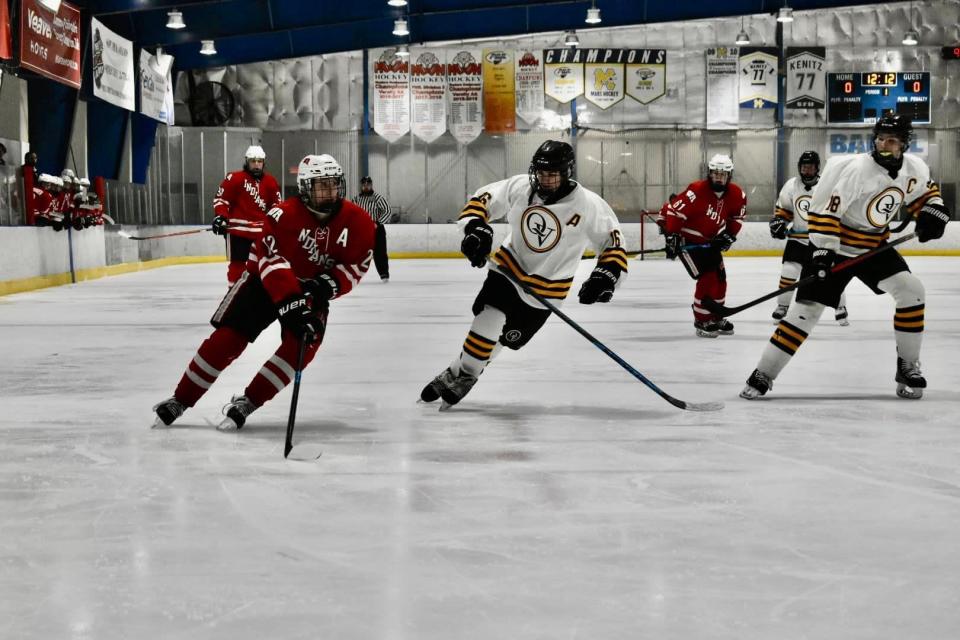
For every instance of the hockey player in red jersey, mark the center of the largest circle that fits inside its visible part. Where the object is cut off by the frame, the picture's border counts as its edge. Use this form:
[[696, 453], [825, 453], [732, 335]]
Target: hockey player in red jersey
[[241, 203], [314, 248], [710, 212]]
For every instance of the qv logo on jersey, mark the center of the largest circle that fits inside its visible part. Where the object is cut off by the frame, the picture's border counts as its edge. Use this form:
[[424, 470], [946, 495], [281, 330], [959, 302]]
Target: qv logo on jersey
[[884, 206], [255, 194], [802, 206], [540, 229]]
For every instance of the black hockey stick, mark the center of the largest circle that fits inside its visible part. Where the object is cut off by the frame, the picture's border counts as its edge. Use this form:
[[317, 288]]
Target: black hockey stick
[[722, 311], [305, 451], [645, 252], [680, 404]]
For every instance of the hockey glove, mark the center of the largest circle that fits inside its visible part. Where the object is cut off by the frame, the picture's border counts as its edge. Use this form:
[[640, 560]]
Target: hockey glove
[[599, 286], [219, 226], [723, 241], [822, 260], [931, 222], [477, 242], [322, 289], [297, 317], [778, 228], [673, 243]]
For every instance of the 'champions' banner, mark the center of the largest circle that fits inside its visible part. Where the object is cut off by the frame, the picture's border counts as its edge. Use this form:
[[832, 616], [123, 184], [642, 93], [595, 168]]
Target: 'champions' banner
[[428, 89], [50, 42], [563, 73], [646, 74], [722, 108], [603, 77], [391, 94], [499, 91], [465, 86], [529, 87], [112, 67]]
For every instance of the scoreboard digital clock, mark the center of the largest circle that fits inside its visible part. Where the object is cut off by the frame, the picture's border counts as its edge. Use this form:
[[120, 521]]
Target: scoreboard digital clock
[[861, 98]]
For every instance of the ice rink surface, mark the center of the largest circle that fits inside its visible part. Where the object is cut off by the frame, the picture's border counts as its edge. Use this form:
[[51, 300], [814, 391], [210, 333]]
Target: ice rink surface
[[562, 499]]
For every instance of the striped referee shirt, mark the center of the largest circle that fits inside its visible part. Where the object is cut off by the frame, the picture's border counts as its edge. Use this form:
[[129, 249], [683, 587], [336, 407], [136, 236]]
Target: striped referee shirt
[[374, 204]]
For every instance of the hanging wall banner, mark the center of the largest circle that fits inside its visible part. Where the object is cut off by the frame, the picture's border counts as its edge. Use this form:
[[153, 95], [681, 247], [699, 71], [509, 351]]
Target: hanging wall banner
[[465, 86], [806, 78], [6, 37], [391, 94], [428, 89], [722, 107], [499, 91], [563, 73], [603, 77], [529, 85], [646, 74], [112, 67], [154, 83], [758, 77], [50, 42]]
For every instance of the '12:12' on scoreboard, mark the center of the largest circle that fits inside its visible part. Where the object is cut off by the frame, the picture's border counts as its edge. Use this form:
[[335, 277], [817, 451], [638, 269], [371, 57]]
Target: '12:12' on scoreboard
[[861, 98]]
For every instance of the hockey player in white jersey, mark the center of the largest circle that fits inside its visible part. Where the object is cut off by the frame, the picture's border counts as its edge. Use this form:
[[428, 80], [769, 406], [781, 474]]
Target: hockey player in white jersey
[[552, 220], [850, 214], [789, 223]]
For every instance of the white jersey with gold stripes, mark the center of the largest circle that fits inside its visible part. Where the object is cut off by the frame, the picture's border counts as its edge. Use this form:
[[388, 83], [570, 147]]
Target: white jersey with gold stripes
[[856, 199], [793, 205], [546, 242]]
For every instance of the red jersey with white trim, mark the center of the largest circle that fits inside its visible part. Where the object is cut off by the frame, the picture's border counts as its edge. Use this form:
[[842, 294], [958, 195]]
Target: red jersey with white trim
[[699, 215], [294, 246], [242, 197], [43, 204]]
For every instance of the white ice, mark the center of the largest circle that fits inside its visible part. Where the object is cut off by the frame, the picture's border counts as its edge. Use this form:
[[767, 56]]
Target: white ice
[[561, 499]]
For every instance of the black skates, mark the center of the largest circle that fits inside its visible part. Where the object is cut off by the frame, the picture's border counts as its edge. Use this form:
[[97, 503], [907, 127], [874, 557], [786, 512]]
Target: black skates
[[757, 385], [167, 411], [910, 382], [448, 387]]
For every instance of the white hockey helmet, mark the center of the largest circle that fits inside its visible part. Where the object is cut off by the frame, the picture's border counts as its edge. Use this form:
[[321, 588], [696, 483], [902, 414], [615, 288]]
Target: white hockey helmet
[[85, 183], [45, 178], [720, 162], [57, 180], [254, 152], [320, 167]]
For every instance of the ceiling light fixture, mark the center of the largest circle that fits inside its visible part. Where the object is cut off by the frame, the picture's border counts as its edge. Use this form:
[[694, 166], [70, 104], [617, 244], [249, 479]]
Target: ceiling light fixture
[[400, 28], [570, 39], [785, 14], [397, 3], [175, 20], [743, 37], [593, 14], [911, 37], [403, 51], [207, 48]]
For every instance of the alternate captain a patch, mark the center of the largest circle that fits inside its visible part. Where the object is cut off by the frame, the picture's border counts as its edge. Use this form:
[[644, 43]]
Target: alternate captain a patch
[[540, 229]]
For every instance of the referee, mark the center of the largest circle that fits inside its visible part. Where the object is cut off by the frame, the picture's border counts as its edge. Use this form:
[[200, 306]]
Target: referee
[[379, 209]]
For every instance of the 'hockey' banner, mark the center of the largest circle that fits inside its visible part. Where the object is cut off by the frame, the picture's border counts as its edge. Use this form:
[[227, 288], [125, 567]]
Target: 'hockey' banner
[[646, 74], [499, 91], [112, 67], [428, 94], [563, 74], [806, 78], [154, 87], [465, 84], [391, 94], [722, 108], [603, 77], [50, 42], [758, 77], [529, 76]]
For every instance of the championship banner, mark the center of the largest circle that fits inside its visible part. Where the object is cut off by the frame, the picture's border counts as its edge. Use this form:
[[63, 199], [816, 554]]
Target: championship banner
[[391, 94], [50, 42], [6, 37], [563, 73], [529, 88], [758, 77], [428, 94], [806, 78], [112, 67], [646, 75], [603, 77], [154, 84], [465, 86], [722, 107], [499, 91]]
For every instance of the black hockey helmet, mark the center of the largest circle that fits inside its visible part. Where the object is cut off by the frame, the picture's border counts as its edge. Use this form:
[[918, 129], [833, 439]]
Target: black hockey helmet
[[552, 155], [809, 157], [898, 125]]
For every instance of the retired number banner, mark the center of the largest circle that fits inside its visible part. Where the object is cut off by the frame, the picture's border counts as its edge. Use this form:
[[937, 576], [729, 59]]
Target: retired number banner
[[806, 78], [465, 86], [428, 94], [758, 77], [563, 74], [391, 94], [529, 85]]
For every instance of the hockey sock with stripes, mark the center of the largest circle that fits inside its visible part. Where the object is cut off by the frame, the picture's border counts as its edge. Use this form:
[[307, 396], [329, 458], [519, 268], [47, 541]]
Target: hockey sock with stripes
[[789, 275], [214, 355], [480, 345], [712, 284], [790, 333], [909, 296], [277, 372]]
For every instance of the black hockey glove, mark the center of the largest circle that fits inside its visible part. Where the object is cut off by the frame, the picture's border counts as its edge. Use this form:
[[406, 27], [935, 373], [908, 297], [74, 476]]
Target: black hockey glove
[[57, 225], [599, 286], [477, 242], [322, 289], [77, 224], [673, 243], [297, 317], [219, 226], [723, 241], [931, 222], [778, 228], [822, 260]]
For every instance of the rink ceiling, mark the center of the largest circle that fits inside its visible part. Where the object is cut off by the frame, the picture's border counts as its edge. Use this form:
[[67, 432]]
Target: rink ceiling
[[561, 499]]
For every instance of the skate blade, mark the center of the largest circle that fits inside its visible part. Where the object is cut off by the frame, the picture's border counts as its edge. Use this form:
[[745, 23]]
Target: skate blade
[[305, 452], [909, 393], [704, 334], [159, 424], [843, 323], [446, 406], [227, 425]]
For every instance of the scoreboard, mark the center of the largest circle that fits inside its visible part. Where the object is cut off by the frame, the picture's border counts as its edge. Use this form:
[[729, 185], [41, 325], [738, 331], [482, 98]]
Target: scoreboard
[[861, 98]]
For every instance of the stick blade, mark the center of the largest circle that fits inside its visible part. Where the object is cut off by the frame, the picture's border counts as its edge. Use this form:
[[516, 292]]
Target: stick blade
[[123, 234], [305, 452], [703, 406]]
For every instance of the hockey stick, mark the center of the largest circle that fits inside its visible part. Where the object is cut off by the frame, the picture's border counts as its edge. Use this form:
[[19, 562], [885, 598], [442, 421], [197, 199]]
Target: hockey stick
[[680, 404], [304, 451], [644, 252], [230, 226], [722, 311]]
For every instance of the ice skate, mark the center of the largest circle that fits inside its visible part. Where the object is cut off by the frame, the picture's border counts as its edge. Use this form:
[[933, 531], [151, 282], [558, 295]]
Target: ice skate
[[757, 385], [708, 329], [841, 317], [780, 312], [910, 382], [724, 327], [431, 392], [458, 388], [167, 411], [236, 412]]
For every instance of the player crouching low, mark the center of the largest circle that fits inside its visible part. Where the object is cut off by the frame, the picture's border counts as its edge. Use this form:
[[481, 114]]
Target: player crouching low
[[314, 249], [552, 220]]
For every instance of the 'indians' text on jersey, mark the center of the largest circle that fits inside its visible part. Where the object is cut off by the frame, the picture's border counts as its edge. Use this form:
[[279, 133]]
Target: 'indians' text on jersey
[[699, 215], [242, 197]]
